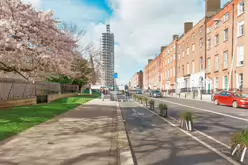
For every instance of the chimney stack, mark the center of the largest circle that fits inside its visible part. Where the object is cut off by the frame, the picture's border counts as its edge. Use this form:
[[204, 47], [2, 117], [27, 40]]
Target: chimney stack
[[187, 26], [162, 48], [175, 37], [212, 7]]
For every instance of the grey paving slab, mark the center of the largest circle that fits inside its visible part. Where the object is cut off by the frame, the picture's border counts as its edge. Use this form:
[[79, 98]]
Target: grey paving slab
[[84, 136]]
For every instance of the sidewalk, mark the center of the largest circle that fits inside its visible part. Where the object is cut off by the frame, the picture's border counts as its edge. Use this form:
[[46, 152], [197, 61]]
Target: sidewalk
[[204, 98], [86, 135]]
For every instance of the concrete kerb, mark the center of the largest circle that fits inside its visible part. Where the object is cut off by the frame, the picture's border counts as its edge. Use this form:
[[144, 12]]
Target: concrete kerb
[[126, 157]]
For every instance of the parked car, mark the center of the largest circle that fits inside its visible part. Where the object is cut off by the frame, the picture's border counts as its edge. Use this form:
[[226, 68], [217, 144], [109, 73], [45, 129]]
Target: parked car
[[234, 99], [139, 92], [156, 93]]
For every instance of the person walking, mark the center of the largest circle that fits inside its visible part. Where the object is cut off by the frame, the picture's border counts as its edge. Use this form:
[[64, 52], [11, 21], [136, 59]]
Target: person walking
[[102, 94], [127, 95]]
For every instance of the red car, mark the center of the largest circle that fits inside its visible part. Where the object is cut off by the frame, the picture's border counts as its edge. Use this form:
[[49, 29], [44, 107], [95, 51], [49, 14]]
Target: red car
[[234, 99]]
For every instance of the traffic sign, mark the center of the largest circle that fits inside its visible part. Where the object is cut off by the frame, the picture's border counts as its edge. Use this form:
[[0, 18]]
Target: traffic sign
[[115, 75]]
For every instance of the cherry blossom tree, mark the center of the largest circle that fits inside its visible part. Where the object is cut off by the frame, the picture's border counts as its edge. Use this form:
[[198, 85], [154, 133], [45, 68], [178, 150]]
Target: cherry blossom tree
[[31, 43]]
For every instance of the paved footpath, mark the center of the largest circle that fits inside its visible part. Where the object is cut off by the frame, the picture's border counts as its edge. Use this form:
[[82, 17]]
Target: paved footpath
[[87, 135]]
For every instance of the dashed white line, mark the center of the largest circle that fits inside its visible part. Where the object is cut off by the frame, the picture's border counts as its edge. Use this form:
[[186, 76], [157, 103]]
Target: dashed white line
[[209, 137]]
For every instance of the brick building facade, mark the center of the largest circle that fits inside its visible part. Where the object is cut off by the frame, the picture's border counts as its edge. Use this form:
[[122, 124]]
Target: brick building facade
[[226, 48], [209, 55], [137, 81]]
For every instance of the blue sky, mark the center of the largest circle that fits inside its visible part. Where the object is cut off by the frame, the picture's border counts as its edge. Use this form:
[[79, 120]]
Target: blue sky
[[141, 27]]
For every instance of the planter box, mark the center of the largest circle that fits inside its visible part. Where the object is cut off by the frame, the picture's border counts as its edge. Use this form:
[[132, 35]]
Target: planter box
[[151, 107], [187, 125], [240, 153], [163, 113]]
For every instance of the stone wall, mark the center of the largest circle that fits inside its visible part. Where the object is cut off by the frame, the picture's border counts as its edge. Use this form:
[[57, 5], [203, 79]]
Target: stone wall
[[31, 101], [54, 97], [17, 102]]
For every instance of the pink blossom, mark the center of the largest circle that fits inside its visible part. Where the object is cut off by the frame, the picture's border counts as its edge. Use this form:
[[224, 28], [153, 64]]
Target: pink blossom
[[34, 35]]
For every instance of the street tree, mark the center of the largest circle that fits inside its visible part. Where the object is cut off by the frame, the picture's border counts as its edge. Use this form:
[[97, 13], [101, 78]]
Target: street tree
[[31, 43]]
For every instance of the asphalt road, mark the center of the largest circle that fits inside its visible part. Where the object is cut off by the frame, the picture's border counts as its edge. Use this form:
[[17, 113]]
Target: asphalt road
[[219, 122], [214, 123], [156, 142]]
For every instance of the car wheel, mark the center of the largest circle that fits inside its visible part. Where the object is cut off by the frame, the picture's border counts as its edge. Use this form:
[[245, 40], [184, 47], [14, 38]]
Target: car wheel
[[235, 104], [216, 101]]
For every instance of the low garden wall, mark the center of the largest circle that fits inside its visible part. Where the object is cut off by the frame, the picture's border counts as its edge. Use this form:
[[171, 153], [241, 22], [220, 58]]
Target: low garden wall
[[17, 102], [53, 97], [31, 101]]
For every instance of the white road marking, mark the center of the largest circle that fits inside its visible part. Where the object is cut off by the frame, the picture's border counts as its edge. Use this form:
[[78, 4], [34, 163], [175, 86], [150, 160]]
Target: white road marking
[[198, 140], [209, 137], [206, 110]]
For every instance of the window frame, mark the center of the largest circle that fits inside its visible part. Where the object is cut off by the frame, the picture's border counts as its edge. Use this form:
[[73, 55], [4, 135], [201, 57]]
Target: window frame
[[226, 17], [209, 64], [193, 47], [201, 42], [225, 60], [217, 36], [239, 61], [238, 81], [241, 24], [209, 43], [193, 67], [217, 62], [240, 6]]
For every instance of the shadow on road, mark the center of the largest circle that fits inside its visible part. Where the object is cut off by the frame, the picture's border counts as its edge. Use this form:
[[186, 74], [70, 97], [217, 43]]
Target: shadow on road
[[157, 143]]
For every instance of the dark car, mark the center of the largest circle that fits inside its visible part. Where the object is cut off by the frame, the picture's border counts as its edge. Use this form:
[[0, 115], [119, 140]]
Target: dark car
[[156, 93], [139, 92], [234, 99]]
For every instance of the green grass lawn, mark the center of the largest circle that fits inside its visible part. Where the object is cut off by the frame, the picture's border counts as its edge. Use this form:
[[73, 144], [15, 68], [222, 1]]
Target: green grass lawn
[[18, 119]]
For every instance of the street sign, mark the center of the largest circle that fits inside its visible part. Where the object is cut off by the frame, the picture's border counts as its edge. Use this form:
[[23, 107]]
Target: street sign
[[115, 75]]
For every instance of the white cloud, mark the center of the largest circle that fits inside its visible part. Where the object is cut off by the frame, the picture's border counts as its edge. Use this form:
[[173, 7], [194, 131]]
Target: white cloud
[[142, 26]]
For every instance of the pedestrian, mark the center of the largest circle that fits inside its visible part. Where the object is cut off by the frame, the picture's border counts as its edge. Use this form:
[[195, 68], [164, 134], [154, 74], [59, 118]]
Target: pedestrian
[[127, 95], [102, 94]]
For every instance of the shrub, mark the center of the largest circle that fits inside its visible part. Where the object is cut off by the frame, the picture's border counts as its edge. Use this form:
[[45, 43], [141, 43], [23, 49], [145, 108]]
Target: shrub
[[239, 143], [135, 97], [141, 99], [188, 116], [152, 102], [145, 99], [186, 120], [163, 109]]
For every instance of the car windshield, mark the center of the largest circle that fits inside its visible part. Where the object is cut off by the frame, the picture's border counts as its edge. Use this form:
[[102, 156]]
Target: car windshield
[[156, 91], [241, 95]]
